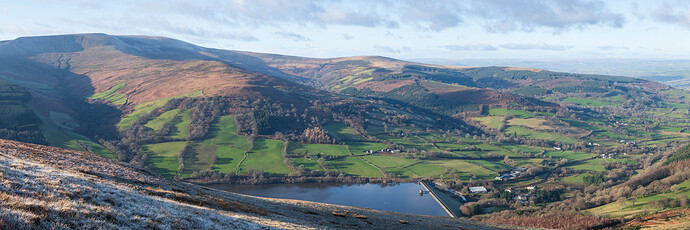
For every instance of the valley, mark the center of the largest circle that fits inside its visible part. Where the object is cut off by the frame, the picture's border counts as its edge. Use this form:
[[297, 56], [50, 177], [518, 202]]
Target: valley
[[211, 116]]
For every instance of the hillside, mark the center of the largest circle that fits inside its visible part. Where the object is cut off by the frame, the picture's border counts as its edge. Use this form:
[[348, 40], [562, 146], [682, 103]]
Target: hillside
[[217, 116], [46, 187]]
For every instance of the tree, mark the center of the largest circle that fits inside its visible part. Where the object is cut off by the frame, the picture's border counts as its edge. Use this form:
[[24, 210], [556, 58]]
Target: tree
[[507, 161]]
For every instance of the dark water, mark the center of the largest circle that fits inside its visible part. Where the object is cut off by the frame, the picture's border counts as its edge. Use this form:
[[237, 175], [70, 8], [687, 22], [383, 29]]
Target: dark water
[[399, 197]]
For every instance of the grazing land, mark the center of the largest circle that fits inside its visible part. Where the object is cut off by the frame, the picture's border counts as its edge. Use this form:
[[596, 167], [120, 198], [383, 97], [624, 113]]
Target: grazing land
[[267, 156], [163, 157]]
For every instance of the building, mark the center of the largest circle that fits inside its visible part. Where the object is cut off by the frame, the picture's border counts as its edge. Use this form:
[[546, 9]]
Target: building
[[523, 198], [478, 189]]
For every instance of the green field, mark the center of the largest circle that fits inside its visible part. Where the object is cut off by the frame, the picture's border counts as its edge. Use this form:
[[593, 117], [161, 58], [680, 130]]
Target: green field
[[598, 164], [574, 179], [491, 165], [408, 142], [65, 139], [426, 170], [95, 148], [231, 146], [297, 148], [445, 145], [588, 167], [627, 209], [180, 129], [490, 121], [199, 157], [342, 132], [383, 161], [466, 168], [145, 108], [267, 155], [570, 155], [400, 172], [610, 160], [228, 159], [158, 122], [111, 95], [163, 157], [309, 163], [505, 112], [526, 132], [354, 166], [528, 161], [522, 148], [587, 102], [359, 147]]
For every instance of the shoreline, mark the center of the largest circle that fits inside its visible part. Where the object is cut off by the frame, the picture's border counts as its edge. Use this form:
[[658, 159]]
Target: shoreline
[[433, 194]]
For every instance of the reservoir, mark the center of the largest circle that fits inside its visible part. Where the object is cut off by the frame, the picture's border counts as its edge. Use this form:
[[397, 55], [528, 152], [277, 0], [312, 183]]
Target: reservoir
[[397, 197]]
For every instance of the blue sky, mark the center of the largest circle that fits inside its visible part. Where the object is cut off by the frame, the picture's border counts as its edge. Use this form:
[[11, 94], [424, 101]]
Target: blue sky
[[408, 29]]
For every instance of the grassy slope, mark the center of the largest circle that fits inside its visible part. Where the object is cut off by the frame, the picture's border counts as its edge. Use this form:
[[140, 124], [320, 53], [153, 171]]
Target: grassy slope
[[66, 139], [231, 146], [641, 205], [163, 157], [145, 108], [200, 157], [426, 170], [180, 129], [309, 164], [111, 95], [384, 161], [354, 166], [267, 155], [358, 147], [157, 123], [342, 132], [464, 168], [329, 150]]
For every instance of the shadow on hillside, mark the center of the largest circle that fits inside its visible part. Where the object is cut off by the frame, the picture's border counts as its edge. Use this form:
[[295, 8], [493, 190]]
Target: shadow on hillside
[[95, 120]]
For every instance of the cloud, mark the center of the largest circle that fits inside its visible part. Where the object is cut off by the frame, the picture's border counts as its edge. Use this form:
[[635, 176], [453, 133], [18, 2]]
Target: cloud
[[273, 13], [673, 15], [613, 47], [347, 36], [559, 15], [388, 49], [429, 15], [293, 36], [533, 46], [474, 46]]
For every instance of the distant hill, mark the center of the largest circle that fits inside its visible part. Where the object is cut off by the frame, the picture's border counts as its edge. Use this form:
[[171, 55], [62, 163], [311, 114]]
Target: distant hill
[[671, 72]]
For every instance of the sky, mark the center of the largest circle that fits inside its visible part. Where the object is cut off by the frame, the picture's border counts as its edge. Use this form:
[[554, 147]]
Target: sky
[[406, 29]]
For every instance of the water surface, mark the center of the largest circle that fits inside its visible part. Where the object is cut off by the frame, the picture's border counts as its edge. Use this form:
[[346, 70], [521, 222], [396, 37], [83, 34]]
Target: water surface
[[398, 197]]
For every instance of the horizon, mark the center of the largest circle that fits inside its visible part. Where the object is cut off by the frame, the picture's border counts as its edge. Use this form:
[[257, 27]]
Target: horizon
[[530, 30]]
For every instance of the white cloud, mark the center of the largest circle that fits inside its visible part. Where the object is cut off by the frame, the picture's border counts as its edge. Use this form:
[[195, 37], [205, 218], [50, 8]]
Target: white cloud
[[613, 47], [473, 46], [673, 14], [293, 36], [534, 46], [389, 49]]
